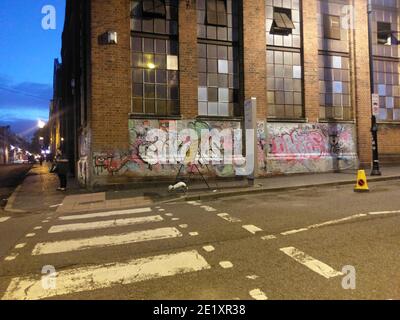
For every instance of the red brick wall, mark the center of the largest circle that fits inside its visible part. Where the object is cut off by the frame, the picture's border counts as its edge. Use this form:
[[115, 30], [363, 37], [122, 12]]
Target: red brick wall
[[310, 47], [254, 43], [111, 75], [188, 58], [362, 83]]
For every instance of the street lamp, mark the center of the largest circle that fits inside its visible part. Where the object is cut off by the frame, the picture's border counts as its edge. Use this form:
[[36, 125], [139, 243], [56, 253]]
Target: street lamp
[[41, 124], [374, 125]]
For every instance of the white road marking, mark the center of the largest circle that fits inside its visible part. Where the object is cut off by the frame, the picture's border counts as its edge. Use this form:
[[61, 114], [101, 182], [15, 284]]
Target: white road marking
[[193, 234], [106, 214], [4, 219], [105, 241], [37, 228], [228, 217], [252, 229], [161, 210], [208, 248], [311, 263], [208, 208], [252, 277], [383, 212], [269, 237], [175, 219], [56, 205], [45, 221], [226, 264], [194, 203], [104, 224], [327, 223], [169, 214], [20, 246], [183, 226], [30, 235], [11, 257], [107, 275], [257, 294]]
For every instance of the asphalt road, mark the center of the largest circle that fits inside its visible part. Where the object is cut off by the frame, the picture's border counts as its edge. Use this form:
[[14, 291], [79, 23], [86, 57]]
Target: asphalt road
[[10, 177], [287, 245]]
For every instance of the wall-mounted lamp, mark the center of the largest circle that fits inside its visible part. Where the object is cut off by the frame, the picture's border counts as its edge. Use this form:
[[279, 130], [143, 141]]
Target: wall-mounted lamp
[[112, 37]]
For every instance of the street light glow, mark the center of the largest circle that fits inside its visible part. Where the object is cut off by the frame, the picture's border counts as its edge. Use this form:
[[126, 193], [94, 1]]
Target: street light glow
[[41, 124]]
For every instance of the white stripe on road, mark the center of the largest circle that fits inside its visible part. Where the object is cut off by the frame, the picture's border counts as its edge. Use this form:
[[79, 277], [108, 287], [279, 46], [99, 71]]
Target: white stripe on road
[[20, 246], [4, 219], [11, 257], [228, 217], [104, 224], [252, 229], [208, 208], [311, 263], [269, 237], [105, 241], [105, 214], [107, 275], [327, 223], [383, 212], [257, 294]]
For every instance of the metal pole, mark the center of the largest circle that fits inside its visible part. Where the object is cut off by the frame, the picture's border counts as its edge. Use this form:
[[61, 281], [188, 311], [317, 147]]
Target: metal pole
[[374, 126]]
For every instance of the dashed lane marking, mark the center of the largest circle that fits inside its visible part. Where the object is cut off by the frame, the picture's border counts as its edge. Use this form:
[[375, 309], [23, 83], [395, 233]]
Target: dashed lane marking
[[20, 246], [252, 229], [208, 208], [11, 257], [105, 214], [105, 241], [311, 263], [30, 235], [228, 217], [4, 219], [193, 234], [208, 248], [104, 224], [107, 275], [269, 237], [226, 264], [257, 294]]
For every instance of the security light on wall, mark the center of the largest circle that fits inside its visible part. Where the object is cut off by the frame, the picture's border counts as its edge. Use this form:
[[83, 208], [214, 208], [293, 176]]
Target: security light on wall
[[112, 37]]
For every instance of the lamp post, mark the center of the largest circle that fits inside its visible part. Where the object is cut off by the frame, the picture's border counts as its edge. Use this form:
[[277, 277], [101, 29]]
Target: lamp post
[[374, 125]]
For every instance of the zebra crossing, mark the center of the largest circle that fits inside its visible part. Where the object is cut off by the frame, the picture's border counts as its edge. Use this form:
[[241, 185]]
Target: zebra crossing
[[105, 275]]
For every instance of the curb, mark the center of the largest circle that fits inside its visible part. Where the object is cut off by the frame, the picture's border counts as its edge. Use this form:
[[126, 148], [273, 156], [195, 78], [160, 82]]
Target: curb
[[213, 196], [11, 200]]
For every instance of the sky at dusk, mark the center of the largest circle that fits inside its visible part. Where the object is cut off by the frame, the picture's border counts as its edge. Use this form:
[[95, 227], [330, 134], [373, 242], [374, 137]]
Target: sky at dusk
[[27, 54]]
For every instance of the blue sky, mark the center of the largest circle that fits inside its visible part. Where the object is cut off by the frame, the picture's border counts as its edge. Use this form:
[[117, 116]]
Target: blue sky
[[27, 53]]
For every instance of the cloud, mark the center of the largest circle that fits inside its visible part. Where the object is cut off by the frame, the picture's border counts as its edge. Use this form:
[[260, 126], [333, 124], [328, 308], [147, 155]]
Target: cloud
[[21, 104]]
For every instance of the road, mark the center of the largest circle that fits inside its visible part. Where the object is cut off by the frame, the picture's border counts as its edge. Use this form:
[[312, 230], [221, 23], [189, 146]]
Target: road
[[10, 177], [287, 245]]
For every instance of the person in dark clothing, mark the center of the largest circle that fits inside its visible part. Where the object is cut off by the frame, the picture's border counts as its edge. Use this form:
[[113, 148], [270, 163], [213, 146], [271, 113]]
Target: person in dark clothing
[[61, 164]]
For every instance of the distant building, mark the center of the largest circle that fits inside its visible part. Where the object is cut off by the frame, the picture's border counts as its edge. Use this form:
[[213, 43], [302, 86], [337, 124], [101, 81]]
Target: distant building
[[132, 66]]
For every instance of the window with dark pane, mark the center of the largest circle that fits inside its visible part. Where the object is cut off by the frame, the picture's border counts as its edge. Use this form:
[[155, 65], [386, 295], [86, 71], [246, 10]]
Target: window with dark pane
[[384, 33]]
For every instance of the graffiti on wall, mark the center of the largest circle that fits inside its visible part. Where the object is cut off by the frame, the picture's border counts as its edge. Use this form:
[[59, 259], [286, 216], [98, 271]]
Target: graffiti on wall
[[293, 148], [172, 147], [83, 163]]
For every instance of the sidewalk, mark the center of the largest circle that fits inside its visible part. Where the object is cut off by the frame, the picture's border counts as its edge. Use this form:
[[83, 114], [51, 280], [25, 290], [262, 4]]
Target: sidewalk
[[37, 193]]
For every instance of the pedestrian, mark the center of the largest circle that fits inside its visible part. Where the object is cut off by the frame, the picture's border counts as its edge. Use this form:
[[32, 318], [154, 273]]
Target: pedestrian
[[41, 160], [60, 167]]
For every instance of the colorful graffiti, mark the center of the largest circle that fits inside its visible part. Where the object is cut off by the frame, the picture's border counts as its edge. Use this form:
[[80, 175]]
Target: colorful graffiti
[[310, 147], [83, 163], [146, 149]]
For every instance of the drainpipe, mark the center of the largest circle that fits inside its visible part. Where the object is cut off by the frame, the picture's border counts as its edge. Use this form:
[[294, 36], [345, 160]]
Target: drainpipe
[[374, 126]]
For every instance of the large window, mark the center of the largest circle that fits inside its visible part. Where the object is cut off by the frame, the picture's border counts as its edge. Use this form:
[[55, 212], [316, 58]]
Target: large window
[[155, 58], [284, 60], [218, 58], [335, 89]]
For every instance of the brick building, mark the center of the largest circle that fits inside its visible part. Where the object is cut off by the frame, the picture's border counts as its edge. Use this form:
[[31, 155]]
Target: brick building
[[132, 66]]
